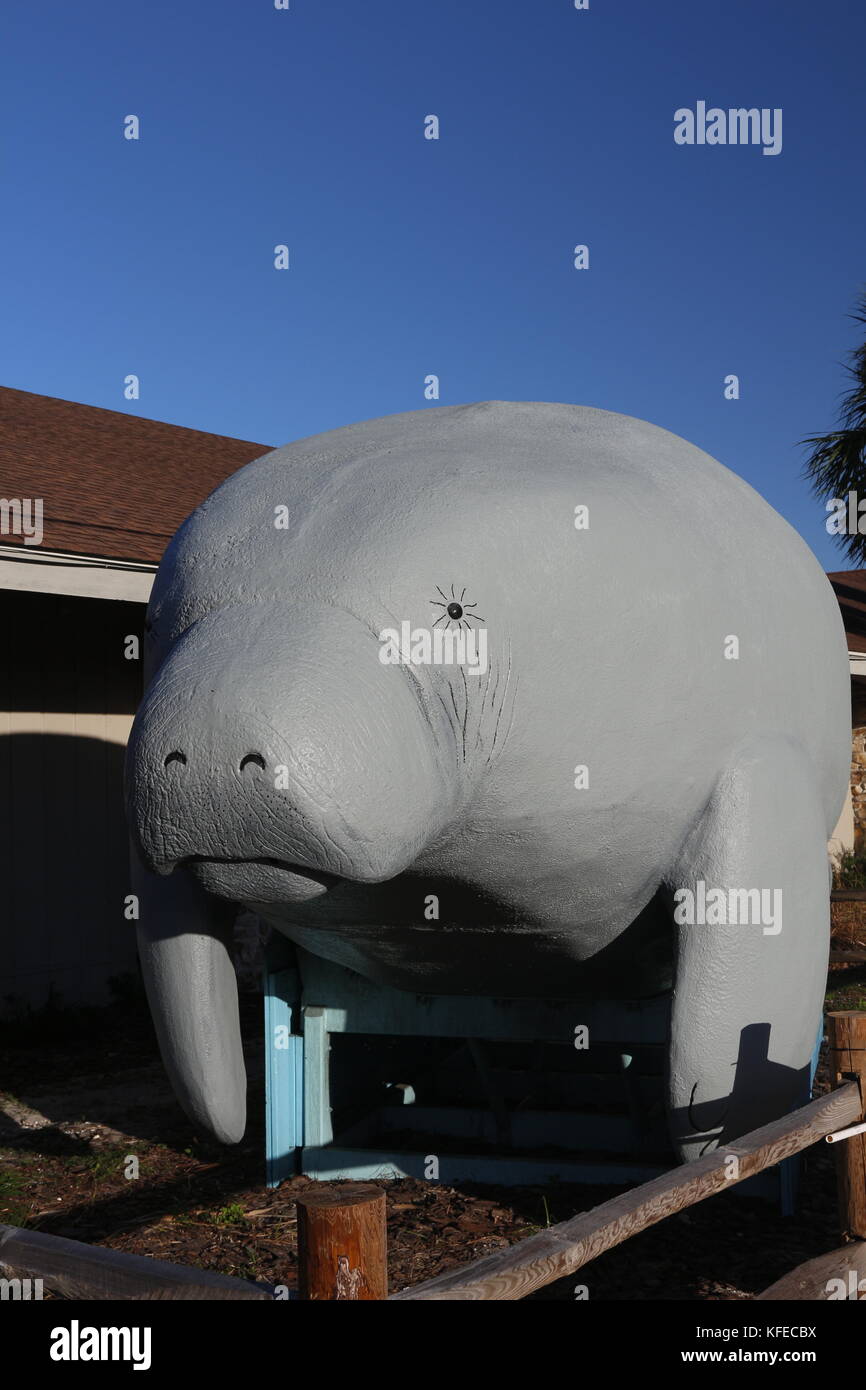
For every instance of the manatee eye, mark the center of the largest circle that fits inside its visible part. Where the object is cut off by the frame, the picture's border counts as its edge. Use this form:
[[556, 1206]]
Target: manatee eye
[[455, 610]]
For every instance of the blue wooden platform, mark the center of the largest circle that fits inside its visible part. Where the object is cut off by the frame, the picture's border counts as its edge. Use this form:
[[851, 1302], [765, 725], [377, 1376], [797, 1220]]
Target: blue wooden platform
[[600, 1120]]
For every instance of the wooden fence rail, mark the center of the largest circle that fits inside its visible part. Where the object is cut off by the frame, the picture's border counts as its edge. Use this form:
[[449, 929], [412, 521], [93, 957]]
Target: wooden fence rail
[[562, 1249], [814, 1280], [75, 1270]]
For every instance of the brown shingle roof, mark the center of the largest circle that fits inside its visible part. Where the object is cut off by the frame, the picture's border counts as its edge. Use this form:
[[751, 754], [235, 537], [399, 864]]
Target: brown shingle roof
[[850, 588], [112, 485]]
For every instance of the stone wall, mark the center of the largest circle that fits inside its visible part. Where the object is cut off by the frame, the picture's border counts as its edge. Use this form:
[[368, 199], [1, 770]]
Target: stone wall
[[858, 785], [858, 760]]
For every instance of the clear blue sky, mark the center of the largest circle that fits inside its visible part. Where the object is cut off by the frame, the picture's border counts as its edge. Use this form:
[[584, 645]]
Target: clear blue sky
[[454, 257]]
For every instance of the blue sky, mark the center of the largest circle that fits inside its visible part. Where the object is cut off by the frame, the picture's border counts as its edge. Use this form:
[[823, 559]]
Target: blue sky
[[454, 257]]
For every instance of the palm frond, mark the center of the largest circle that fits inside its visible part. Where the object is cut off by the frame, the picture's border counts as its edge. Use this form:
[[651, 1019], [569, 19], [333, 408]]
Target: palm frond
[[836, 464]]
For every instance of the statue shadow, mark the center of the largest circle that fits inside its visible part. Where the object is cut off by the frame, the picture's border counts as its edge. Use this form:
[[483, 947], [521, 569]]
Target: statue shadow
[[762, 1091]]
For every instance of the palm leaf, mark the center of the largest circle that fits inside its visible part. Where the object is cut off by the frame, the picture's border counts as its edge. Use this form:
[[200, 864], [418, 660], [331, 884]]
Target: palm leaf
[[836, 464]]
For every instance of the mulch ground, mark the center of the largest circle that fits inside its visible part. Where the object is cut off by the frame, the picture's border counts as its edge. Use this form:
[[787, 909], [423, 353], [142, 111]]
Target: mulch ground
[[84, 1093]]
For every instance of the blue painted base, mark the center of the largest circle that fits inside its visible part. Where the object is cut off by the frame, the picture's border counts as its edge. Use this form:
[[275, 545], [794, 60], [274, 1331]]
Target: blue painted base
[[308, 1000]]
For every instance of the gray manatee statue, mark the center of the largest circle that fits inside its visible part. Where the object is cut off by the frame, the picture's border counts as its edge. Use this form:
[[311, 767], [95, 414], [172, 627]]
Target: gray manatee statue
[[616, 767]]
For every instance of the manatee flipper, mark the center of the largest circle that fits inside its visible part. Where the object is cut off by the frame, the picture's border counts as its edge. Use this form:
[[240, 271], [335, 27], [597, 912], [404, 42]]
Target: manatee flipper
[[183, 937], [747, 998]]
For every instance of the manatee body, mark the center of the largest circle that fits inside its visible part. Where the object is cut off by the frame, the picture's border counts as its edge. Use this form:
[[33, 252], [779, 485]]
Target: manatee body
[[663, 705]]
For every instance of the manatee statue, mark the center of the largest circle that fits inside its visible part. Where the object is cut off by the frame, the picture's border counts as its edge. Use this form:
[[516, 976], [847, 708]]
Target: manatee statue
[[617, 767]]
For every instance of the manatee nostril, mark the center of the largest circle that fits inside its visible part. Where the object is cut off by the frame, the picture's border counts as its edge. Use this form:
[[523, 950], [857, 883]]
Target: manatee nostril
[[175, 757], [253, 758]]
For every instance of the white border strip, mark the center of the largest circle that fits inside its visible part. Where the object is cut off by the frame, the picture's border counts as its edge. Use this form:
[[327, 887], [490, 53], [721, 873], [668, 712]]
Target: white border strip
[[39, 571]]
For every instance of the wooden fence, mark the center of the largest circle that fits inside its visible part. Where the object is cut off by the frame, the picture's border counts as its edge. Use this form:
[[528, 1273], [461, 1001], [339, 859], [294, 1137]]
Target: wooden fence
[[352, 1220]]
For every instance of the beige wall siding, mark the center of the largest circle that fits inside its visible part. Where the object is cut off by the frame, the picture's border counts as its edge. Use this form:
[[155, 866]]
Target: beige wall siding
[[843, 836], [67, 697]]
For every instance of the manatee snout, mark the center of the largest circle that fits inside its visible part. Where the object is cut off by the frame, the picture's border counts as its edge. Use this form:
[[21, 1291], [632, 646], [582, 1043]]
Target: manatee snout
[[274, 755]]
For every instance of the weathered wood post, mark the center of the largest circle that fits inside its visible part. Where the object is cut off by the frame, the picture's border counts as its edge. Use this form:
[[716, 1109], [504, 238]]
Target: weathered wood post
[[342, 1243], [847, 1058]]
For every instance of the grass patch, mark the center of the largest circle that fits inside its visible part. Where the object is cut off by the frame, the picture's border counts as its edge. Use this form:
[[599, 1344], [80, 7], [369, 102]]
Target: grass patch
[[850, 871], [101, 1165], [847, 990], [15, 1213], [232, 1215]]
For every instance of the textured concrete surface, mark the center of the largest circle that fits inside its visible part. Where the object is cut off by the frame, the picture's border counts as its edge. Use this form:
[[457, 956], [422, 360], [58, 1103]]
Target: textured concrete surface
[[432, 827]]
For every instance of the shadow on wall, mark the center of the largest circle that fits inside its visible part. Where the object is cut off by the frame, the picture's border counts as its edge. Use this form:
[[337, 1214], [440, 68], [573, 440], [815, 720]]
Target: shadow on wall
[[68, 692], [755, 1077], [66, 655], [64, 870]]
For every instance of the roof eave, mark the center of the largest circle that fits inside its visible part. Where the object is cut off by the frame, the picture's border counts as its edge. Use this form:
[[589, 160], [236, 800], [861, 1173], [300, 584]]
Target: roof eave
[[35, 570]]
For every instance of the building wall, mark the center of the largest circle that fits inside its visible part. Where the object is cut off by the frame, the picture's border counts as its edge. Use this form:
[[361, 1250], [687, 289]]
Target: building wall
[[858, 762], [67, 698]]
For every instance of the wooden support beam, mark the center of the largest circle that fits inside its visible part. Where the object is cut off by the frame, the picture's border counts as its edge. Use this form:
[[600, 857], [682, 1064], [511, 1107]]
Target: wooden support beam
[[318, 1128], [835, 1276], [76, 1270], [847, 1060], [342, 1243], [284, 1074], [562, 1249]]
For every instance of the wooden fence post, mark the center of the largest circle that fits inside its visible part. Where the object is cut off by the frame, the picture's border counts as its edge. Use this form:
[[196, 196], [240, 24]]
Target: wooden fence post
[[847, 1059], [342, 1243]]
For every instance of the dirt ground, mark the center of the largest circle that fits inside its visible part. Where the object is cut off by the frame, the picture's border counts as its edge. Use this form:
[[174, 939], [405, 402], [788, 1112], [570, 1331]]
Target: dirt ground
[[84, 1092]]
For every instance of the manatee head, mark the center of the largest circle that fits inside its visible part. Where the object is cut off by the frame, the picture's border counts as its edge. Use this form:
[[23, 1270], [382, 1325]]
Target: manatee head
[[328, 666]]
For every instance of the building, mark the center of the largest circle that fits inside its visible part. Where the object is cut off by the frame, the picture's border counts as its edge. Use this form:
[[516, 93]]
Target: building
[[850, 589], [89, 501]]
